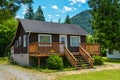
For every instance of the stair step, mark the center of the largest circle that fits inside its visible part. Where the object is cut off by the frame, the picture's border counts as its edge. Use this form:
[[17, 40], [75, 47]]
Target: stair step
[[83, 62]]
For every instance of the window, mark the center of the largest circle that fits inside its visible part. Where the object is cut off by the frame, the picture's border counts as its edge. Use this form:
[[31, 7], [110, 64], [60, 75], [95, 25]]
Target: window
[[44, 38], [16, 43], [24, 41], [20, 41], [74, 40]]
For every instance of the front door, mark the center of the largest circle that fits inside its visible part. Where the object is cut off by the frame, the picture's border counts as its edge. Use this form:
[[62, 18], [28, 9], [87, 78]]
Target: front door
[[63, 39]]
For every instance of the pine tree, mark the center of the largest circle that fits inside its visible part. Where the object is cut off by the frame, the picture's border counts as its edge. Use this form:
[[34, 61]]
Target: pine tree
[[39, 14], [59, 20], [106, 22], [67, 20], [29, 12]]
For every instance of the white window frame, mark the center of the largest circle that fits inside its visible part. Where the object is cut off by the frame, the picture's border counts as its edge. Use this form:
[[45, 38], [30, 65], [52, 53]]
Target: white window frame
[[16, 43], [44, 35], [24, 41], [71, 41], [20, 41]]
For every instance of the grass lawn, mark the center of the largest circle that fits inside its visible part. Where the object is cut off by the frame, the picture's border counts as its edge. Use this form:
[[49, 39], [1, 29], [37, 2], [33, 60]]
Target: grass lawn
[[111, 60], [98, 75], [3, 60]]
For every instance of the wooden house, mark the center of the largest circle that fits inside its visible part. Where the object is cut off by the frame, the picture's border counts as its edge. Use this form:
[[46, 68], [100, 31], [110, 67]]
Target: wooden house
[[36, 40]]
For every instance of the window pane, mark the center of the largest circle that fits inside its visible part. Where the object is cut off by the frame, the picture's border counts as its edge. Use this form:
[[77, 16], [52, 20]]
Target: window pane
[[74, 41], [19, 41], [24, 41], [45, 39]]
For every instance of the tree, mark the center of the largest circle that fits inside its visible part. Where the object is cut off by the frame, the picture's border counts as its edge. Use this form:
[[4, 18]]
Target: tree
[[7, 31], [39, 14], [67, 20], [29, 12], [8, 9], [59, 20], [106, 23]]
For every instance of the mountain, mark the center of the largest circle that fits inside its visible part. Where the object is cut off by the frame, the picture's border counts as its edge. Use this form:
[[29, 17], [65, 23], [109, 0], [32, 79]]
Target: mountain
[[83, 19]]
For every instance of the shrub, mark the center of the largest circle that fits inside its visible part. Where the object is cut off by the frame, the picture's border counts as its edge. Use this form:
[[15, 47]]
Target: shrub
[[98, 60], [54, 62]]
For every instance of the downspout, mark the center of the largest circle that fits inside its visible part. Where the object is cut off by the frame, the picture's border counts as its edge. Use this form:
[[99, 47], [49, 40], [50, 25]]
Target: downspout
[[28, 46]]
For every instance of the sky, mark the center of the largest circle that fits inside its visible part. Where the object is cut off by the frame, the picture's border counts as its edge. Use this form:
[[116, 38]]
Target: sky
[[55, 9]]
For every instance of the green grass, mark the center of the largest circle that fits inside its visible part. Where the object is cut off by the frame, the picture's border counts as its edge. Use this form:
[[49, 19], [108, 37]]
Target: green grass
[[3, 60], [111, 60], [98, 75]]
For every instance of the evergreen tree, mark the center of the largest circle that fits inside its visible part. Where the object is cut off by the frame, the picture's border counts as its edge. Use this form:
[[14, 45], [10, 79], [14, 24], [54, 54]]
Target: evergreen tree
[[39, 14], [59, 20], [29, 12], [8, 9], [106, 22], [67, 20]]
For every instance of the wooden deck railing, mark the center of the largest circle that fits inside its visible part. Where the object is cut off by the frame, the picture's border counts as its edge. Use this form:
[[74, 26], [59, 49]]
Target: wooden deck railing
[[70, 57], [92, 49], [54, 47], [86, 55]]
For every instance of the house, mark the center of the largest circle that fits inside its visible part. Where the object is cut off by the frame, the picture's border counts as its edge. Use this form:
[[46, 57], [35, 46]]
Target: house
[[114, 54], [36, 40]]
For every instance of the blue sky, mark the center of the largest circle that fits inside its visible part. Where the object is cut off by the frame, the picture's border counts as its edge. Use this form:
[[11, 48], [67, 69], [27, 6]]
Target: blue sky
[[55, 9]]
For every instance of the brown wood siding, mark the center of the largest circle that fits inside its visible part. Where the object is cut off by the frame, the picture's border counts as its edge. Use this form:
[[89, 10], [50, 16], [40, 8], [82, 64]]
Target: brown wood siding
[[55, 37], [33, 37], [20, 48], [75, 49], [83, 39]]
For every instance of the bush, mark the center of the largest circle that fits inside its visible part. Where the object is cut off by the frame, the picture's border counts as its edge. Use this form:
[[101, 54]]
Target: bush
[[98, 60], [54, 62]]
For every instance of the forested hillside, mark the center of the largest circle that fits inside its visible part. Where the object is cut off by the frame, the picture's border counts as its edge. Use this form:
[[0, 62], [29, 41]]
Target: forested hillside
[[83, 19]]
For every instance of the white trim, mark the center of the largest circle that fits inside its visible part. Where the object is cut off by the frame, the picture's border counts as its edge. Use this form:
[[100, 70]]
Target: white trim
[[20, 40], [71, 40], [44, 35], [24, 41], [16, 43], [65, 36]]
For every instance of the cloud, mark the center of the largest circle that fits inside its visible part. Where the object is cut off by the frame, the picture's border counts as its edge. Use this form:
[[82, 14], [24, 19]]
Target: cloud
[[20, 17], [55, 7], [77, 1], [49, 16], [62, 11], [24, 9], [43, 7], [57, 15], [17, 16], [67, 9]]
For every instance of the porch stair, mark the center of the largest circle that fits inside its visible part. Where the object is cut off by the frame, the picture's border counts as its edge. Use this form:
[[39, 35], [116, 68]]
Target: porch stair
[[81, 61]]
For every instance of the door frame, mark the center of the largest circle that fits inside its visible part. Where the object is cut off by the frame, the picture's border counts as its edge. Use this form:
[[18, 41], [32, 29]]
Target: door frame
[[65, 36]]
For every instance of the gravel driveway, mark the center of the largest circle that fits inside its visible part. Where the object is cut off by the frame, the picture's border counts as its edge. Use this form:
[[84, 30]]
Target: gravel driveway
[[10, 72]]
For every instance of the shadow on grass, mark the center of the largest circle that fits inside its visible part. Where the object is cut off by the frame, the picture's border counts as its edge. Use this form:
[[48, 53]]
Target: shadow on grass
[[111, 60]]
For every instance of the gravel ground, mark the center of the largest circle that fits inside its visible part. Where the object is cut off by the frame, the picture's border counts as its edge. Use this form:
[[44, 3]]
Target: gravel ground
[[11, 72]]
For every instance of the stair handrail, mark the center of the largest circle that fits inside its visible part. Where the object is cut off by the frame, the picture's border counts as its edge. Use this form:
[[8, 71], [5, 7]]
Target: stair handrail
[[86, 55], [70, 57]]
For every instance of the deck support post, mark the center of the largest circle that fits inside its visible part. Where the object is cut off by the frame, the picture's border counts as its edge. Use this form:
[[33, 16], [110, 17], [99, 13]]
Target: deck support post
[[38, 61]]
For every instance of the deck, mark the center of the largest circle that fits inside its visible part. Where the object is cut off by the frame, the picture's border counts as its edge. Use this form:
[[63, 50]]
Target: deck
[[40, 50]]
